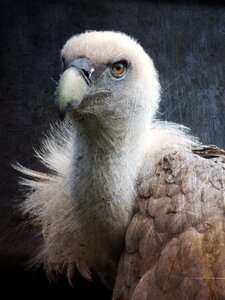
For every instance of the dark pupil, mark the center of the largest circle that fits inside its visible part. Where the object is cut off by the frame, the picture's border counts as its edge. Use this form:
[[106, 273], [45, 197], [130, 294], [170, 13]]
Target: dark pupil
[[118, 67]]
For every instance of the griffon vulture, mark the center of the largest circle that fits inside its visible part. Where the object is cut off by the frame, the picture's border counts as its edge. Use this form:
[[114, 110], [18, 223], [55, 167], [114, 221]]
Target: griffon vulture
[[134, 199]]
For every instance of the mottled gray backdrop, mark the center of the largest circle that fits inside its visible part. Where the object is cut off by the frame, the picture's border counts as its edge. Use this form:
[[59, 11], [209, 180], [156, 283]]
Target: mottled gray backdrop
[[187, 44]]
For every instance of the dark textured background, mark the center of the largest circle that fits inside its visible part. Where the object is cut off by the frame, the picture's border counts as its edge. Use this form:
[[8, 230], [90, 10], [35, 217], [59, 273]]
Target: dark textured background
[[187, 44]]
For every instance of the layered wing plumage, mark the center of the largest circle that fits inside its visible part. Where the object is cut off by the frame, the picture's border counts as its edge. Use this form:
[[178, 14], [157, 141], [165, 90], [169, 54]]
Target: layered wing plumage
[[175, 242]]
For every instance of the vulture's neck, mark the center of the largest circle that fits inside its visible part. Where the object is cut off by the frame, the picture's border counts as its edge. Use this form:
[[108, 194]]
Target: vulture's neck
[[105, 167], [104, 171]]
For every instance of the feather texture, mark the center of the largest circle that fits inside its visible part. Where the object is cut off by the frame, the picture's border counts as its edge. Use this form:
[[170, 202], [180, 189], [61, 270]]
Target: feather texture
[[48, 201], [175, 240]]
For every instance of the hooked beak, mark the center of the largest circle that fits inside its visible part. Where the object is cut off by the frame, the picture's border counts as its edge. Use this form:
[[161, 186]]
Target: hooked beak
[[74, 85]]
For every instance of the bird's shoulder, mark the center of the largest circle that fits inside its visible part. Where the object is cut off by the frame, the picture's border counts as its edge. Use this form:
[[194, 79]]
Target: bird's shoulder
[[174, 242]]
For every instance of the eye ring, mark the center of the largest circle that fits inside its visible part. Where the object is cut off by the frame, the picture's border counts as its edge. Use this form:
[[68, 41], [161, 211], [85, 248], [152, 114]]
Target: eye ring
[[119, 69]]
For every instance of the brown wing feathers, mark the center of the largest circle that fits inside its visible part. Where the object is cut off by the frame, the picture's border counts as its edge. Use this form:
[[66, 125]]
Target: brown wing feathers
[[175, 243]]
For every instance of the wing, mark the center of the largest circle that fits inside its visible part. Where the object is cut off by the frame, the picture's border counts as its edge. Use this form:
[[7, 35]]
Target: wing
[[175, 242]]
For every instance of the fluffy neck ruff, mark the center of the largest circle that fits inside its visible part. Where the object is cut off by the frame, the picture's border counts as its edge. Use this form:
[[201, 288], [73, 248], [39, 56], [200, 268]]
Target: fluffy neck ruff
[[102, 182], [84, 205]]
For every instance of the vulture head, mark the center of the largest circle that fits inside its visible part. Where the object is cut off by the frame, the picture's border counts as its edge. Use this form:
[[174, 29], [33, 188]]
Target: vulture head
[[109, 83]]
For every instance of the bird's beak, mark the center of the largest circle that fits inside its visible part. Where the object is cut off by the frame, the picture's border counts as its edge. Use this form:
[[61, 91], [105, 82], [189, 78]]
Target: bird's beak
[[74, 85]]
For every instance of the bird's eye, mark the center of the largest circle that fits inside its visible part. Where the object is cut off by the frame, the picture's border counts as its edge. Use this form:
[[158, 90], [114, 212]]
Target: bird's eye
[[119, 69]]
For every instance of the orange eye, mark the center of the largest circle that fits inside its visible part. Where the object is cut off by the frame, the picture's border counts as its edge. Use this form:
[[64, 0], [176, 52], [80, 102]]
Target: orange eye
[[119, 69]]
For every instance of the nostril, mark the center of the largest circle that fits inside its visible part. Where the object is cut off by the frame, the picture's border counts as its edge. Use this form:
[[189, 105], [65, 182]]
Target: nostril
[[86, 74], [84, 66]]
